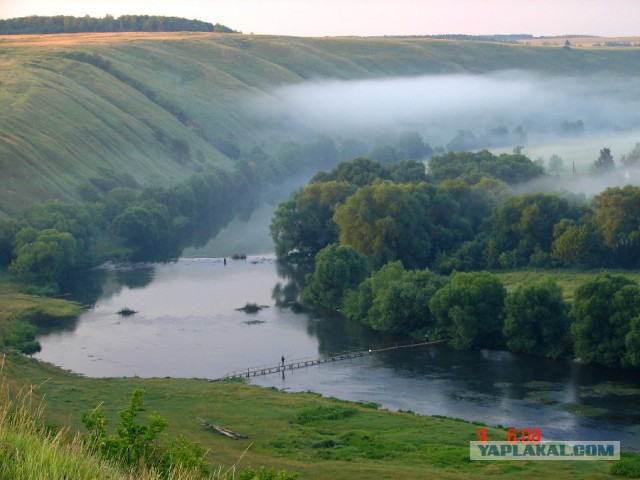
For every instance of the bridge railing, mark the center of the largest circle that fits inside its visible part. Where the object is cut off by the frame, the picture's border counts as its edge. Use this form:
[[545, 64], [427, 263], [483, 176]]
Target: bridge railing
[[314, 360]]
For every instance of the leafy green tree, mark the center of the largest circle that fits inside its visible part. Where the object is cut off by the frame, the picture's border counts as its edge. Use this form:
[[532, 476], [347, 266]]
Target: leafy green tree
[[394, 299], [604, 163], [81, 222], [617, 219], [464, 140], [632, 344], [604, 310], [406, 171], [144, 227], [385, 154], [410, 146], [118, 200], [43, 256], [470, 309], [360, 171], [523, 225], [387, 222], [537, 319], [472, 166], [577, 244], [632, 159], [8, 230], [555, 163], [338, 269], [304, 224]]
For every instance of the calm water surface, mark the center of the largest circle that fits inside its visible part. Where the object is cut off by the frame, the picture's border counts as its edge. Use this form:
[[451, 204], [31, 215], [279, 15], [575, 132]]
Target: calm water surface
[[187, 325]]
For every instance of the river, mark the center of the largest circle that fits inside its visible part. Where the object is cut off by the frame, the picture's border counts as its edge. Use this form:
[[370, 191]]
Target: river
[[187, 326]]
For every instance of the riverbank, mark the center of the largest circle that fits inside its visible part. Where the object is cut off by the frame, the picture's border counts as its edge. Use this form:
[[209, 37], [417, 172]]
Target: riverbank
[[299, 432], [319, 438]]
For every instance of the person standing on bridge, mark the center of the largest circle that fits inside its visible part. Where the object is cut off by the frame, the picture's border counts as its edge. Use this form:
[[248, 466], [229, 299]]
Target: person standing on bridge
[[283, 360]]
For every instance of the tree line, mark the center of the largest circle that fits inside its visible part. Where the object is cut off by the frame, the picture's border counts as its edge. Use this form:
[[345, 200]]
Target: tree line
[[124, 23], [50, 243], [381, 237]]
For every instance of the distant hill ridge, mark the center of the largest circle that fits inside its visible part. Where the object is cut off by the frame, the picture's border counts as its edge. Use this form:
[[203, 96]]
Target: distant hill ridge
[[124, 23], [160, 107]]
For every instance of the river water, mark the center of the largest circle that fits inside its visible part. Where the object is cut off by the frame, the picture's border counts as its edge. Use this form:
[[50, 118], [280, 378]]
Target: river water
[[187, 325]]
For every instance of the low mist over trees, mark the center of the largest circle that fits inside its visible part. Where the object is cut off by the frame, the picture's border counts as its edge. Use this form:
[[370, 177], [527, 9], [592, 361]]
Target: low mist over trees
[[407, 227], [124, 23]]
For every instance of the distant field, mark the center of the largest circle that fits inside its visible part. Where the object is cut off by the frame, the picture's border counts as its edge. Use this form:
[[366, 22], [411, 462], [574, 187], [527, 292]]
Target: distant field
[[568, 279], [582, 41]]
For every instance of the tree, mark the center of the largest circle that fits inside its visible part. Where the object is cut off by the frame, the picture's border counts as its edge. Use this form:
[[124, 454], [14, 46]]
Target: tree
[[577, 244], [523, 225], [470, 309], [304, 224], [604, 310], [8, 230], [537, 320], [338, 269], [632, 159], [43, 256], [555, 163], [394, 299], [472, 166], [617, 219], [80, 221], [387, 222], [144, 227], [410, 146], [360, 172], [604, 164]]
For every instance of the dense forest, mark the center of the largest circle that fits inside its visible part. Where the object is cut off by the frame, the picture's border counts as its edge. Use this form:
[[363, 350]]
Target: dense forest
[[124, 23], [383, 237]]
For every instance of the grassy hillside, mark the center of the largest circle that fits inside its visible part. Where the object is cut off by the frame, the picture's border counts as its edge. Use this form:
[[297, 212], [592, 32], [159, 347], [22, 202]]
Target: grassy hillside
[[161, 106]]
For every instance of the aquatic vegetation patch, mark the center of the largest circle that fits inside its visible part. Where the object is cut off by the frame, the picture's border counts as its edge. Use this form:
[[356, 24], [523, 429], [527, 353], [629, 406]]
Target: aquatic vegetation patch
[[609, 388]]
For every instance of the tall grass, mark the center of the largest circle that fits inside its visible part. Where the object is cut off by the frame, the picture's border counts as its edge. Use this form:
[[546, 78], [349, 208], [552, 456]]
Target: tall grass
[[31, 450]]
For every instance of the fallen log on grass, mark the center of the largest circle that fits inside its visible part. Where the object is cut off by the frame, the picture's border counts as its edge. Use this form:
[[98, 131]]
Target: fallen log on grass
[[221, 430]]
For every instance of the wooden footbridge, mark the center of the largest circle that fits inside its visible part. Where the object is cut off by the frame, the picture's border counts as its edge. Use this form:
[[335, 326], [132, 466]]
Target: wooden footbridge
[[308, 362]]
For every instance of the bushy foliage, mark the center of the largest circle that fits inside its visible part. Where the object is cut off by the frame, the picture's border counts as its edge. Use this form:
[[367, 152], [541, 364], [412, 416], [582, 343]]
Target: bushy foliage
[[304, 224], [394, 299], [138, 445], [338, 269], [510, 168], [523, 225], [617, 219], [43, 256], [537, 319], [22, 336], [470, 309], [606, 326]]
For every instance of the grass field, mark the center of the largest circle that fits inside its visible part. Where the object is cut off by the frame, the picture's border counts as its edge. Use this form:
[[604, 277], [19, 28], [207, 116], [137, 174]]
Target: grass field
[[568, 279], [319, 438]]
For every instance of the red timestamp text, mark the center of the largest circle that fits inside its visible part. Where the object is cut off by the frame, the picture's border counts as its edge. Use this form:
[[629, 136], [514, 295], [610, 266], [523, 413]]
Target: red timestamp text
[[524, 435]]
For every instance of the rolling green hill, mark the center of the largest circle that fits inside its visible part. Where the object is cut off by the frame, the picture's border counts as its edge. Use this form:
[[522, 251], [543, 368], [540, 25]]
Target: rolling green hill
[[161, 106]]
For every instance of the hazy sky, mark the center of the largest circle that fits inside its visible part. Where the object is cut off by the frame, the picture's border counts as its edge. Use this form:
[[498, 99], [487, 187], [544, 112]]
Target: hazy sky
[[369, 17]]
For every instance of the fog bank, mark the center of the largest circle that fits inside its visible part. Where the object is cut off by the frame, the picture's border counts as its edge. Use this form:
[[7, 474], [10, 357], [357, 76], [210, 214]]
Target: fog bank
[[439, 107]]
